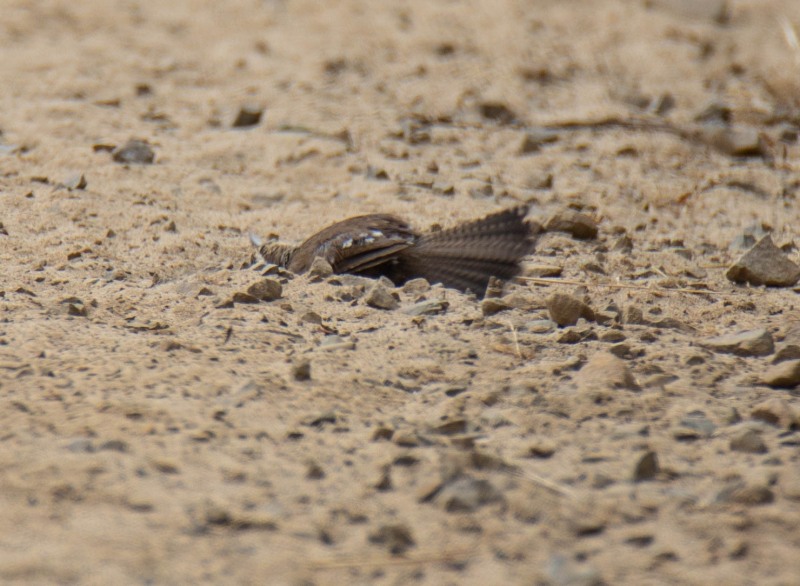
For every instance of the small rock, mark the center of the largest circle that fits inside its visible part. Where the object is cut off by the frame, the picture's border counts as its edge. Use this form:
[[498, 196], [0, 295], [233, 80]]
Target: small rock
[[623, 244], [750, 343], [266, 289], [416, 286], [787, 352], [76, 309], [240, 297], [166, 466], [744, 494], [311, 317], [301, 370], [384, 482], [633, 315], [775, 411], [563, 570], [493, 305], [396, 538], [407, 439], [248, 116], [380, 297], [646, 468], [76, 182], [694, 425], [115, 446], [605, 370], [734, 141], [622, 350], [784, 375], [320, 269], [81, 446], [748, 441], [566, 310], [467, 494], [542, 448], [428, 307], [541, 326], [334, 342], [314, 471], [134, 151], [576, 336], [575, 223], [764, 264], [548, 271], [535, 139], [497, 112], [613, 337]]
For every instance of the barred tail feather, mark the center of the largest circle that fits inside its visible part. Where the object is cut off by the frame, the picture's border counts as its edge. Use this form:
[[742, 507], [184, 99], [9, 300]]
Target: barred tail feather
[[466, 256]]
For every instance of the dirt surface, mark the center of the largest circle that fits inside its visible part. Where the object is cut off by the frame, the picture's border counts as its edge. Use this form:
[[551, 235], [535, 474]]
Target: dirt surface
[[157, 429]]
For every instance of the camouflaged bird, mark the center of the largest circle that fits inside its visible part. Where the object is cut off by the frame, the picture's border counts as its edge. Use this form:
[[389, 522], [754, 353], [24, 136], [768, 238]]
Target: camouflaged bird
[[464, 257]]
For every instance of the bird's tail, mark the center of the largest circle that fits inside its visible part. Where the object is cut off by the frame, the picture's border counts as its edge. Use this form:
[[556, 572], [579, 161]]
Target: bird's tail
[[466, 256]]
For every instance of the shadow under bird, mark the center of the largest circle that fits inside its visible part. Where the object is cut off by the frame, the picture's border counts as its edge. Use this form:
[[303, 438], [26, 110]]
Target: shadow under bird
[[464, 257]]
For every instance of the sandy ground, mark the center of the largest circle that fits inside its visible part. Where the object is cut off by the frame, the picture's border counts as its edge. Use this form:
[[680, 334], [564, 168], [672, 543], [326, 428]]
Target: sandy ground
[[152, 431]]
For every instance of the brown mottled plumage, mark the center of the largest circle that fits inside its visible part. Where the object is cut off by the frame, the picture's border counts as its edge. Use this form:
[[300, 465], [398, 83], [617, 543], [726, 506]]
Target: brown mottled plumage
[[463, 257]]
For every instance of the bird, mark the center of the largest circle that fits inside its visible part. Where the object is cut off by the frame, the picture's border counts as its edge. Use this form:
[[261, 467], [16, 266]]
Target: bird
[[464, 257]]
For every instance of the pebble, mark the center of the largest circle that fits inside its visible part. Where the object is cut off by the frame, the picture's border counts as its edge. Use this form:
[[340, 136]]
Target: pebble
[[380, 297], [248, 115], [240, 297], [575, 223], [694, 425], [576, 336], [314, 471], [633, 315], [334, 342], [748, 441], [266, 290], [301, 370], [625, 351], [320, 269], [541, 448], [427, 307], [646, 468], [734, 141], [534, 140], [607, 371], [81, 446], [566, 310], [541, 326], [523, 300], [623, 244], [787, 352], [466, 494], [115, 446], [76, 182], [764, 264], [311, 317], [563, 570], [397, 538], [775, 411], [750, 343], [493, 305], [613, 336], [134, 151], [498, 112], [417, 286], [784, 375], [746, 494]]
